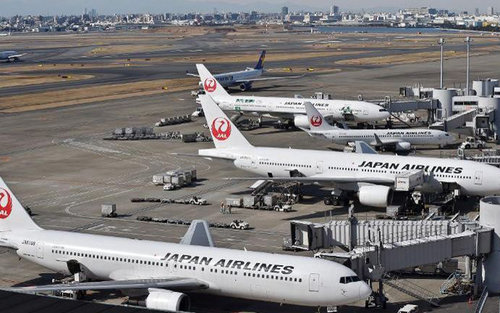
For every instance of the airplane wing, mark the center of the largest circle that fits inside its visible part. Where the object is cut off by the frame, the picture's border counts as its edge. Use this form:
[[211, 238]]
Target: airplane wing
[[198, 234], [168, 283], [208, 157], [324, 179], [15, 56], [267, 78]]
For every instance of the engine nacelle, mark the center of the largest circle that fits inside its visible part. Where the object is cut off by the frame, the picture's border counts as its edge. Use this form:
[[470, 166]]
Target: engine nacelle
[[245, 86], [376, 196], [301, 121], [403, 146], [166, 300]]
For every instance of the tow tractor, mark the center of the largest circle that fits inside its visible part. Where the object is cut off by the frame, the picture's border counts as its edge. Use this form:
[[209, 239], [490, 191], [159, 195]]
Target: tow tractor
[[239, 224]]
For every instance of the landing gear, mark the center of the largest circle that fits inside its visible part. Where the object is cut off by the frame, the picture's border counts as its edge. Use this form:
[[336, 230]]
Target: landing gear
[[331, 309], [336, 198]]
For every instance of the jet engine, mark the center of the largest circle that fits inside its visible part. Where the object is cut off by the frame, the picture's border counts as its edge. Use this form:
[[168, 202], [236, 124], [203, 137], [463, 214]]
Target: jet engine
[[403, 146], [374, 195], [301, 121], [166, 300], [245, 86]]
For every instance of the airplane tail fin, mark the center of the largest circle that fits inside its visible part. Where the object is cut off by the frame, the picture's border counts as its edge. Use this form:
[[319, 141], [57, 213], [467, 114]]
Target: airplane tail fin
[[211, 86], [377, 140], [260, 63], [223, 131], [316, 120], [13, 216]]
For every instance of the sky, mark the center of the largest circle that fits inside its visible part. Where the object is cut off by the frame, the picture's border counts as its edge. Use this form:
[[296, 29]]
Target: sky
[[58, 7]]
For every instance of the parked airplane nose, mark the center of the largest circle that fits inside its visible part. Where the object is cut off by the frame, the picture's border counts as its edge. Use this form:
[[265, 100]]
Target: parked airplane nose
[[364, 290]]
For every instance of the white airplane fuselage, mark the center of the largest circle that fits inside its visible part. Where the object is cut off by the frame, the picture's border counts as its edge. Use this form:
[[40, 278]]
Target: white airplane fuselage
[[412, 136], [236, 78], [360, 111], [475, 179], [235, 273]]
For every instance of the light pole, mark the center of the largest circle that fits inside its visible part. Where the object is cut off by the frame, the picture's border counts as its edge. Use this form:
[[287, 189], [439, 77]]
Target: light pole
[[441, 80], [467, 41]]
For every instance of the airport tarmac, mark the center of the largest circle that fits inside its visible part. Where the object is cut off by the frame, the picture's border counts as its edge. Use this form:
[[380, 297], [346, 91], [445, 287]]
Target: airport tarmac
[[57, 163]]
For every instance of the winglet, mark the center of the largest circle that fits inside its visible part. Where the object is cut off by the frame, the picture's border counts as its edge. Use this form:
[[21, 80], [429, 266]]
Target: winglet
[[198, 234], [316, 120]]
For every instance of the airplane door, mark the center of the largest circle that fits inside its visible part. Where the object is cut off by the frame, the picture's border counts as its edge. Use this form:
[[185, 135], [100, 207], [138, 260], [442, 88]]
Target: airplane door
[[478, 178], [319, 167], [39, 250], [314, 282]]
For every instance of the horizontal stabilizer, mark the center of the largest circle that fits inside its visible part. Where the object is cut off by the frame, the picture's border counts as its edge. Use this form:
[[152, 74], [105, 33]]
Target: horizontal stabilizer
[[363, 147], [198, 234]]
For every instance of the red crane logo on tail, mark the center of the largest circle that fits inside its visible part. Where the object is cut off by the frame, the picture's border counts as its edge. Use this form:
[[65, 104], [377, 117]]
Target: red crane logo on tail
[[5, 203], [316, 121], [221, 128], [210, 85]]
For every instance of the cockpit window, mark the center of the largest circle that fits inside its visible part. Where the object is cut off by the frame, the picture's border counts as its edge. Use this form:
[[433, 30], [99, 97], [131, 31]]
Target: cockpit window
[[446, 134], [349, 279], [382, 110]]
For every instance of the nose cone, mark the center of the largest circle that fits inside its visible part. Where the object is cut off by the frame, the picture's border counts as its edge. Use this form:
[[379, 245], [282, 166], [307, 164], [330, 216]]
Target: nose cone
[[384, 115], [364, 291]]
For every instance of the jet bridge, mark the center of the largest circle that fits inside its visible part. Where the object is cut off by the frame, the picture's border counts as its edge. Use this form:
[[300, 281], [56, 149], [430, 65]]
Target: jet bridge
[[371, 262], [455, 121]]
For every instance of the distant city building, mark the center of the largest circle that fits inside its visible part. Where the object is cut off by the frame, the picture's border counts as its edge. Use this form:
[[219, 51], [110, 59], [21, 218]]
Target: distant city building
[[421, 11], [334, 10], [284, 11], [476, 11], [490, 11]]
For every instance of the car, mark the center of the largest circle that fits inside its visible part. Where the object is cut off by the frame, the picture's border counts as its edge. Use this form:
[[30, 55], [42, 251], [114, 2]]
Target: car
[[472, 143], [239, 224], [409, 308], [198, 201], [283, 207], [169, 186], [198, 112]]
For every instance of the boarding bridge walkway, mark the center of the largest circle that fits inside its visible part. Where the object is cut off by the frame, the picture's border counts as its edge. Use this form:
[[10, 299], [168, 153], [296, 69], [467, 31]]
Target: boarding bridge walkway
[[408, 105], [353, 232], [375, 260], [455, 121], [380, 246]]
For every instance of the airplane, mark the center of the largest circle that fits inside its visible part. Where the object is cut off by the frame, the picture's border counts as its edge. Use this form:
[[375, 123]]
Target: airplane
[[10, 56], [395, 139], [290, 108], [244, 79], [164, 271], [370, 177]]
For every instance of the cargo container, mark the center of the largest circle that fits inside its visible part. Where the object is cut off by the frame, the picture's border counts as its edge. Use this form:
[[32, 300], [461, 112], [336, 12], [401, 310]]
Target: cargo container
[[108, 210], [250, 201], [178, 180], [234, 202], [158, 179], [270, 200], [407, 181], [187, 177]]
